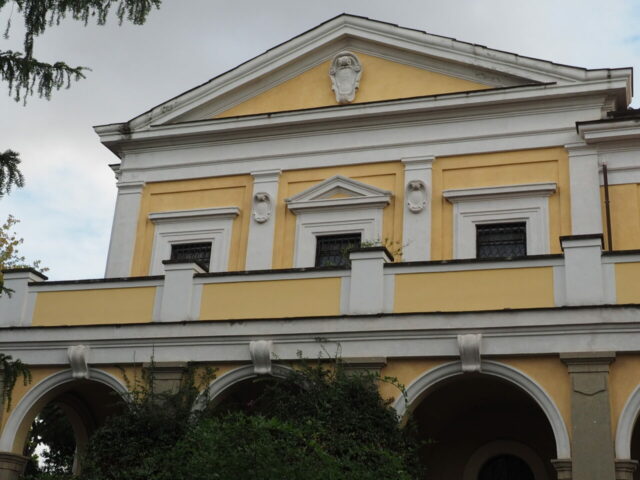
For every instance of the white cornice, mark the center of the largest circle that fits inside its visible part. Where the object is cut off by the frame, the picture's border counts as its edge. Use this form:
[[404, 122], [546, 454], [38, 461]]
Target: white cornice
[[195, 214], [608, 130], [504, 191]]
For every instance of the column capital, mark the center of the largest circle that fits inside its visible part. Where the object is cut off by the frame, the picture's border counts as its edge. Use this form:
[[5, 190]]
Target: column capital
[[588, 362]]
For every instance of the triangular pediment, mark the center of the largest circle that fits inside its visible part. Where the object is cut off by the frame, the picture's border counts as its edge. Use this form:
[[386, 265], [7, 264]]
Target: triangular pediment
[[397, 62], [339, 191]]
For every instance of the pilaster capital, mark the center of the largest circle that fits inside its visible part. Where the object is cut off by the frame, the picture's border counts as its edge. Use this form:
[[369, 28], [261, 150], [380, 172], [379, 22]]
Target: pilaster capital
[[418, 163], [588, 362], [131, 187]]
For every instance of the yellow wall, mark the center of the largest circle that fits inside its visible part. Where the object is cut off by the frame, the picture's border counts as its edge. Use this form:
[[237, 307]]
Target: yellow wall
[[495, 169], [624, 377], [474, 290], [389, 176], [271, 299], [92, 307], [627, 282], [381, 80], [232, 191], [625, 216], [552, 375]]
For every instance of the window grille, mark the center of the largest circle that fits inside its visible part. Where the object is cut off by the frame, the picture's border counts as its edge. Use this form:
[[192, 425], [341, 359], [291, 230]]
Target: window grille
[[199, 253], [501, 240], [333, 250]]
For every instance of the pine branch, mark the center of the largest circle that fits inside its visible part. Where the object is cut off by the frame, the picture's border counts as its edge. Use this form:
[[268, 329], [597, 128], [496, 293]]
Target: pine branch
[[10, 174], [28, 75]]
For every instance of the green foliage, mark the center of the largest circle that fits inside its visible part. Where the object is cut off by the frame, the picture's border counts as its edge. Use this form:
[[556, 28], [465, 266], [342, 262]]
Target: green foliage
[[23, 73], [9, 255], [10, 174], [11, 371], [321, 422], [53, 429]]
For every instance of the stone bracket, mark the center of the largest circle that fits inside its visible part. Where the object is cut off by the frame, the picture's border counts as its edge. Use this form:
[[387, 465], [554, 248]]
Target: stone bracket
[[79, 360], [470, 352], [260, 351]]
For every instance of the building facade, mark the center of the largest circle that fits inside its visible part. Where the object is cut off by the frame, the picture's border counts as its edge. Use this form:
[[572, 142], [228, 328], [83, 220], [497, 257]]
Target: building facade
[[464, 219]]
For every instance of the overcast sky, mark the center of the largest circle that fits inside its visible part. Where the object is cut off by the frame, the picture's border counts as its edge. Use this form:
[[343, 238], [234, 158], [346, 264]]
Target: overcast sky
[[67, 205]]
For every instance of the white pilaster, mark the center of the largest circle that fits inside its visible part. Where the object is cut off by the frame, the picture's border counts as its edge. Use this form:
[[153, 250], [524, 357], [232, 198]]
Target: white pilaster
[[123, 231], [583, 273], [366, 295], [584, 178], [16, 307], [178, 291], [416, 231], [263, 222]]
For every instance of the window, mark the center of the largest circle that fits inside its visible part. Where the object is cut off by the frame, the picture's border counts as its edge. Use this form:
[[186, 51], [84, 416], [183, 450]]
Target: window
[[199, 253], [333, 250], [499, 240]]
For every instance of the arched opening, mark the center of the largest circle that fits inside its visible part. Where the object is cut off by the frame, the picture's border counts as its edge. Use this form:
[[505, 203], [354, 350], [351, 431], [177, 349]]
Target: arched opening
[[482, 427], [73, 407], [635, 447]]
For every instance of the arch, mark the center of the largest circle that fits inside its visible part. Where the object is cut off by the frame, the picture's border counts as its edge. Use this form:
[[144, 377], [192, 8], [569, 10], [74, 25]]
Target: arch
[[36, 397], [502, 447], [626, 423], [235, 376], [420, 386]]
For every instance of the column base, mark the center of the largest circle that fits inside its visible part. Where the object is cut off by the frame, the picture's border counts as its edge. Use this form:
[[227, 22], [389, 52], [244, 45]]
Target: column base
[[563, 468], [11, 465], [625, 469]]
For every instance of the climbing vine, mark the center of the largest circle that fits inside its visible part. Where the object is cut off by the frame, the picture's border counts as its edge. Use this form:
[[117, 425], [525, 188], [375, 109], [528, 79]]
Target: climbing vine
[[11, 371]]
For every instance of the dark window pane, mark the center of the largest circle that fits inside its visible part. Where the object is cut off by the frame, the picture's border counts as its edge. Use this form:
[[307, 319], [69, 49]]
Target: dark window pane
[[501, 240], [333, 250], [199, 253], [505, 467]]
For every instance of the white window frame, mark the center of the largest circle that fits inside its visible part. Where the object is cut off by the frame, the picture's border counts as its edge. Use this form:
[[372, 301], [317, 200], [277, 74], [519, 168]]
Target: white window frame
[[528, 203], [317, 214], [193, 226]]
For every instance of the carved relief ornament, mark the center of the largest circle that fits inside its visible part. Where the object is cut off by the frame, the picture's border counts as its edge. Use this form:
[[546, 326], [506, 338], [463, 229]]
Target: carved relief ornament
[[345, 74], [416, 196], [261, 207]]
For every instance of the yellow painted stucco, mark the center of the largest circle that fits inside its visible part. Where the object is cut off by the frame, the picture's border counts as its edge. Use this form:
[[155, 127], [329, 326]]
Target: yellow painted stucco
[[93, 307], [624, 204], [231, 191], [381, 80], [624, 377], [271, 299], [627, 282], [474, 290], [552, 375], [497, 169], [388, 176], [406, 371]]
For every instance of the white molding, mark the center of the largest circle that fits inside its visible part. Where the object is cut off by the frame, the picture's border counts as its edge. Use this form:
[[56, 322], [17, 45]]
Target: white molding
[[33, 399], [504, 447], [526, 203], [416, 228], [179, 293], [262, 230], [188, 226], [219, 386], [318, 214], [626, 425], [470, 352], [367, 285], [608, 131], [500, 192], [417, 390], [123, 229], [584, 272]]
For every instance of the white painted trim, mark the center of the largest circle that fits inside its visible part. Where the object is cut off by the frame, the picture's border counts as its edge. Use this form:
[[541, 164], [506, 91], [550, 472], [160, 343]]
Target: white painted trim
[[97, 285], [31, 399], [526, 203], [261, 233], [626, 425], [610, 131], [123, 229], [416, 227], [419, 388], [584, 184], [188, 226], [219, 386]]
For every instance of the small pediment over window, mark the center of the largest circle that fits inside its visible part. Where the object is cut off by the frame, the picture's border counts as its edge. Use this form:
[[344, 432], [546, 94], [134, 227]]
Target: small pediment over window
[[339, 192]]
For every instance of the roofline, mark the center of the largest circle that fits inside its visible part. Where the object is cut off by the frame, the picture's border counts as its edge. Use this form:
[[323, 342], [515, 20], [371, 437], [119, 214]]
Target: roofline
[[130, 123]]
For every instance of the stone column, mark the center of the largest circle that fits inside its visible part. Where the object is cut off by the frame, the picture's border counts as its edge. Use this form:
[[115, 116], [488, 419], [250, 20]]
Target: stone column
[[625, 469], [563, 468], [592, 442], [11, 465]]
